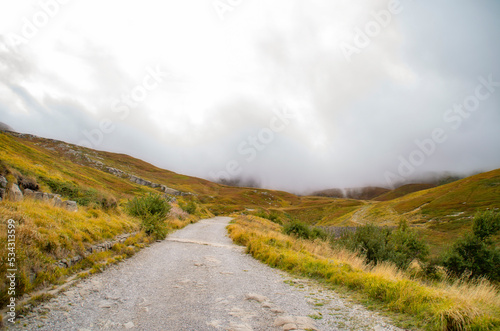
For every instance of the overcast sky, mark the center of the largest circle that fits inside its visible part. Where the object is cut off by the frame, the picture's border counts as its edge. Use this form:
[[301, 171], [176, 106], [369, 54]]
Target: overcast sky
[[296, 94]]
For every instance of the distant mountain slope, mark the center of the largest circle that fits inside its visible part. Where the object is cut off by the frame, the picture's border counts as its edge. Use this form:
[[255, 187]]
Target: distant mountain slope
[[5, 127], [358, 193], [53, 162], [441, 213], [402, 191]]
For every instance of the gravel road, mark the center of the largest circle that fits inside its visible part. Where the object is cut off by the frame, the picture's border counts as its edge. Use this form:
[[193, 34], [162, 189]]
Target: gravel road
[[197, 279]]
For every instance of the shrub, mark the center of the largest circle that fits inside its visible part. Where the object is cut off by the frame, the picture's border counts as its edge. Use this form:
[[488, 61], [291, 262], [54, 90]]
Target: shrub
[[152, 209], [377, 244], [28, 183], [298, 229], [82, 196], [303, 230], [273, 216], [475, 255], [189, 207], [406, 246], [319, 233]]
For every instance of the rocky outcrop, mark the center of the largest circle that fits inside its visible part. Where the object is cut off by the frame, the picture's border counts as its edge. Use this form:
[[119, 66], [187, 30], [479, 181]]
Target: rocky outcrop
[[170, 191], [140, 181], [116, 172], [50, 197], [15, 194], [3, 182], [70, 205], [58, 201], [101, 247], [3, 186]]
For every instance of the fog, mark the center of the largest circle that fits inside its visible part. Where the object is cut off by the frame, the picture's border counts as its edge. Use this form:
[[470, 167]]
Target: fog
[[285, 94]]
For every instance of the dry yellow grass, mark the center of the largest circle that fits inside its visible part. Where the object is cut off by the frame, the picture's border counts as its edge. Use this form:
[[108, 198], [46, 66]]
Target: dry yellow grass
[[442, 306]]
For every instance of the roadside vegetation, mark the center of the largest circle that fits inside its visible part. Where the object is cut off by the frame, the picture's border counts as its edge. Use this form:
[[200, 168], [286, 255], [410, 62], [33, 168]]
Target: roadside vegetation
[[108, 206], [442, 303]]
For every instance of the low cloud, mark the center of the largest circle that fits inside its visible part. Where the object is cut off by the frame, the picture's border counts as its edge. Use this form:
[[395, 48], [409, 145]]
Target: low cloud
[[225, 79]]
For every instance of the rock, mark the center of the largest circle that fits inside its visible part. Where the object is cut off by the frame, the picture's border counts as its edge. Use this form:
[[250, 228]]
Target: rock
[[38, 195], [114, 171], [70, 205], [2, 193], [45, 197], [289, 326], [282, 320], [15, 193], [57, 202], [105, 304], [29, 193], [3, 182], [129, 325], [169, 190], [304, 323], [256, 297], [266, 305]]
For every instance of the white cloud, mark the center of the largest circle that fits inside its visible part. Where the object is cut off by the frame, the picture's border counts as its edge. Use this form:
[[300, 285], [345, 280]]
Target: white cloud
[[225, 78]]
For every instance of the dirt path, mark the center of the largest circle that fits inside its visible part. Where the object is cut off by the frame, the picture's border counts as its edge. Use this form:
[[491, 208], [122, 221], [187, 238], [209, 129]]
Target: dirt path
[[198, 280]]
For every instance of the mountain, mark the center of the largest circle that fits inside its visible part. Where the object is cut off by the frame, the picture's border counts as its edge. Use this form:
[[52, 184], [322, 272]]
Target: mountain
[[5, 127], [442, 213], [359, 193]]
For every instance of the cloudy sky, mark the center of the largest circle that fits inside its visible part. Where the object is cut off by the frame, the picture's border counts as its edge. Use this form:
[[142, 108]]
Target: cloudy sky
[[296, 94]]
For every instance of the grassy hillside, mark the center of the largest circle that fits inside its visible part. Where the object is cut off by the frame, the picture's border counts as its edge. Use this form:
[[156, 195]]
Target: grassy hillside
[[359, 193], [402, 191]]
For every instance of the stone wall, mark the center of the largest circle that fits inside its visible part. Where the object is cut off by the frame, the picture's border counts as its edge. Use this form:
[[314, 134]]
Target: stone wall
[[101, 247]]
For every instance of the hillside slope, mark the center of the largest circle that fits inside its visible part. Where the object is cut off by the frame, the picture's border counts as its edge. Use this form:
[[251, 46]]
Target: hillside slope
[[441, 213]]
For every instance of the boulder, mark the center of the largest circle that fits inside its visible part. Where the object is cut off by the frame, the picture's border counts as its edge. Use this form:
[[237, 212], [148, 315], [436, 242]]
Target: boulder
[[45, 197], [15, 193], [2, 193], [29, 193], [38, 196], [114, 171], [169, 190], [70, 205], [57, 201], [3, 182]]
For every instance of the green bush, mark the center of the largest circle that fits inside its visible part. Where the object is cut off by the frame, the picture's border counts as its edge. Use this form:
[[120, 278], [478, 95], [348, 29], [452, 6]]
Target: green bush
[[273, 216], [400, 246], [83, 196], [298, 229], [152, 209], [189, 207], [475, 255], [303, 230], [406, 246]]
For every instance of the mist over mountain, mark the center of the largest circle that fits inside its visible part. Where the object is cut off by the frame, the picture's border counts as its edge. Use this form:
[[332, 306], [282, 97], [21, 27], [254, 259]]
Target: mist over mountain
[[298, 96]]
